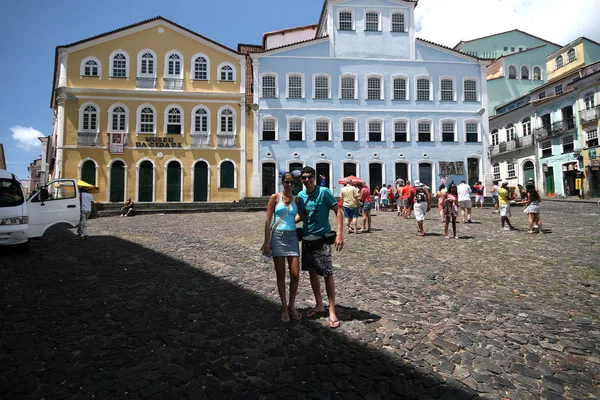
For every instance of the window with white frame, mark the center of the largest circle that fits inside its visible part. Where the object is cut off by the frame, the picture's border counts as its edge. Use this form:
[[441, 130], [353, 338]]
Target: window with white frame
[[571, 55], [447, 90], [227, 122], [226, 73], [348, 87], [295, 129], [173, 67], [448, 131], [322, 130], [524, 72], [374, 87], [89, 119], [472, 132], [541, 95], [512, 72], [546, 147], [400, 88], [470, 90], [568, 145], [588, 101], [558, 62], [372, 21], [558, 89], [510, 132], [400, 131], [526, 126], [510, 167], [201, 68], [173, 121], [375, 130], [496, 171], [321, 86], [537, 74], [345, 22], [349, 130], [118, 118], [269, 86], [423, 89], [91, 66], [147, 65], [201, 121], [398, 22], [146, 120], [424, 131], [495, 137], [591, 137], [295, 87], [269, 129], [118, 65]]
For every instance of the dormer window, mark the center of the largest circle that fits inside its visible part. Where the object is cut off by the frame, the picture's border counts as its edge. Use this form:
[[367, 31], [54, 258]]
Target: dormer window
[[537, 74], [571, 55], [398, 22], [372, 21], [91, 68], [345, 22], [558, 62]]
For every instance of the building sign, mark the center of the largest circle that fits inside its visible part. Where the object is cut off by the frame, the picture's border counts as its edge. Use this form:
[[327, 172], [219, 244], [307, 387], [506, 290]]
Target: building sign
[[451, 167], [592, 153], [155, 142], [116, 142]]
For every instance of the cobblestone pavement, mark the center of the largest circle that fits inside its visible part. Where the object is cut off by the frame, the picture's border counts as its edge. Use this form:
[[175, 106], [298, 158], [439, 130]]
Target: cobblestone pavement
[[182, 306]]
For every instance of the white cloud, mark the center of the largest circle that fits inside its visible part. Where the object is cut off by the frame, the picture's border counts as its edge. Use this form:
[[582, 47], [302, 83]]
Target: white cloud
[[26, 137], [448, 22]]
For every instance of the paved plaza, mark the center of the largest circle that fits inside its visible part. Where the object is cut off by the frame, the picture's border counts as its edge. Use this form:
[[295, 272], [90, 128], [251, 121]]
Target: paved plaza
[[182, 306]]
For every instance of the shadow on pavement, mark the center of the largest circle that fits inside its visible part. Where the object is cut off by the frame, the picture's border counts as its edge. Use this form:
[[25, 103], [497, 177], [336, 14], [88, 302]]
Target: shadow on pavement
[[108, 318]]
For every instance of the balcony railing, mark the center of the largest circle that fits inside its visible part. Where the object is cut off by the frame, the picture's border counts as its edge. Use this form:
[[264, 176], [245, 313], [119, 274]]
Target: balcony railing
[[557, 128], [87, 139], [200, 140], [173, 84], [225, 140], [590, 115], [145, 83], [505, 147]]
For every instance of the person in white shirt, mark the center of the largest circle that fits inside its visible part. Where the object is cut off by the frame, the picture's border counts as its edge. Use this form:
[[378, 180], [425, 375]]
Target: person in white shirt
[[464, 201], [87, 206], [383, 197]]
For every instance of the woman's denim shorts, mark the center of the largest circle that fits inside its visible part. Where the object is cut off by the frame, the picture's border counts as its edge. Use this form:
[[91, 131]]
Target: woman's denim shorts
[[285, 244]]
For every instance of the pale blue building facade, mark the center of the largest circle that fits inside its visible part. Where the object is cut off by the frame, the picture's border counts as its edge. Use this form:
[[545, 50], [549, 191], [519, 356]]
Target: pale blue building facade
[[365, 97]]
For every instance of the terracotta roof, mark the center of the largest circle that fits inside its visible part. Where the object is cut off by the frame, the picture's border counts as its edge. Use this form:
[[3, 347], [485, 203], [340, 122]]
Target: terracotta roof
[[157, 18], [284, 31], [536, 103], [502, 33], [451, 49], [247, 49]]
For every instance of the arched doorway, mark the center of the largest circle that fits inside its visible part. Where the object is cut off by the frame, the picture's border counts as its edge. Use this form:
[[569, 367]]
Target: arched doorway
[[323, 169], [117, 182], [201, 181], [145, 181], [528, 171], [472, 171], [174, 181], [88, 172], [426, 174], [375, 175], [269, 179]]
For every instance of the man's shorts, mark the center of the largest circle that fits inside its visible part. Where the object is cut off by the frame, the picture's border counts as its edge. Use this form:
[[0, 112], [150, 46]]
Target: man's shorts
[[495, 199], [384, 202], [465, 204], [367, 207], [479, 198], [504, 210], [350, 212], [420, 209], [401, 202], [319, 260]]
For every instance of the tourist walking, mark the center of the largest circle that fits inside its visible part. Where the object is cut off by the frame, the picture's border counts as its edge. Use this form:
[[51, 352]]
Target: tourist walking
[[533, 207], [421, 204], [367, 204], [281, 242], [450, 206], [479, 191], [349, 195], [391, 197], [315, 203], [464, 201], [383, 197], [494, 194], [375, 197], [504, 206], [87, 206], [408, 202], [441, 195]]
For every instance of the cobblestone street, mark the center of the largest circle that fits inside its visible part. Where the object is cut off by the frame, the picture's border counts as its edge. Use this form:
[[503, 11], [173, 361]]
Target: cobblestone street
[[182, 306]]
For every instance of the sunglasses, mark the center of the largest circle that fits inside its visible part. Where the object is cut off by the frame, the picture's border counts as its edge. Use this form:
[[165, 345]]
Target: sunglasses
[[288, 182], [307, 177]]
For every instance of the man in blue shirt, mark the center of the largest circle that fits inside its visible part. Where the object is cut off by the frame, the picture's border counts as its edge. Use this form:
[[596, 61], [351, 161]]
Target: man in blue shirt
[[315, 202]]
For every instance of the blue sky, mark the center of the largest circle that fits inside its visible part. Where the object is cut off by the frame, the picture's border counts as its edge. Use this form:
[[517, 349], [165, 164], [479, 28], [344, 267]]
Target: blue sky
[[31, 29]]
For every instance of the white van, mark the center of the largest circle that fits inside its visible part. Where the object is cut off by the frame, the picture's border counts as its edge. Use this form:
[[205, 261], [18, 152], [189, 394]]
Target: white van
[[21, 219]]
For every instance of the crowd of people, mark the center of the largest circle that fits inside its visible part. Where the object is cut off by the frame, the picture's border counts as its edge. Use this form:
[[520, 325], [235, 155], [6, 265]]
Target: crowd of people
[[353, 215]]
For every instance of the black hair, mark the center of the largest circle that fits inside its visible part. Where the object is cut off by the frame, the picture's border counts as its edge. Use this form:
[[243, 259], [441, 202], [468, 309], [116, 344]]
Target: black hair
[[309, 170], [533, 194], [288, 173], [442, 186], [453, 190]]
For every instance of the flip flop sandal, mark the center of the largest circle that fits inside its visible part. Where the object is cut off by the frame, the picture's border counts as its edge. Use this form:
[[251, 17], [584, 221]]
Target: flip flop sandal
[[333, 322], [314, 313]]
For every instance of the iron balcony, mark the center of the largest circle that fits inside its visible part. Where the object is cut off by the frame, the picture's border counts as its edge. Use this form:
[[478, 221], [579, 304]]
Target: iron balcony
[[505, 147], [555, 129], [590, 115]]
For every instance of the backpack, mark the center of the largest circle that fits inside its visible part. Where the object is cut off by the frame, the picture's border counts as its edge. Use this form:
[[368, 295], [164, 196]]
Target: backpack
[[480, 191], [420, 196]]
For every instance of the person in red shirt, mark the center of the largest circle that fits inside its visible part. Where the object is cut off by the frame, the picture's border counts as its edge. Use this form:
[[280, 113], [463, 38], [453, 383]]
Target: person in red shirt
[[406, 191]]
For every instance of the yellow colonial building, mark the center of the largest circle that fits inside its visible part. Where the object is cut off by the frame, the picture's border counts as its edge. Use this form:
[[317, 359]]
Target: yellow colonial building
[[154, 112]]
